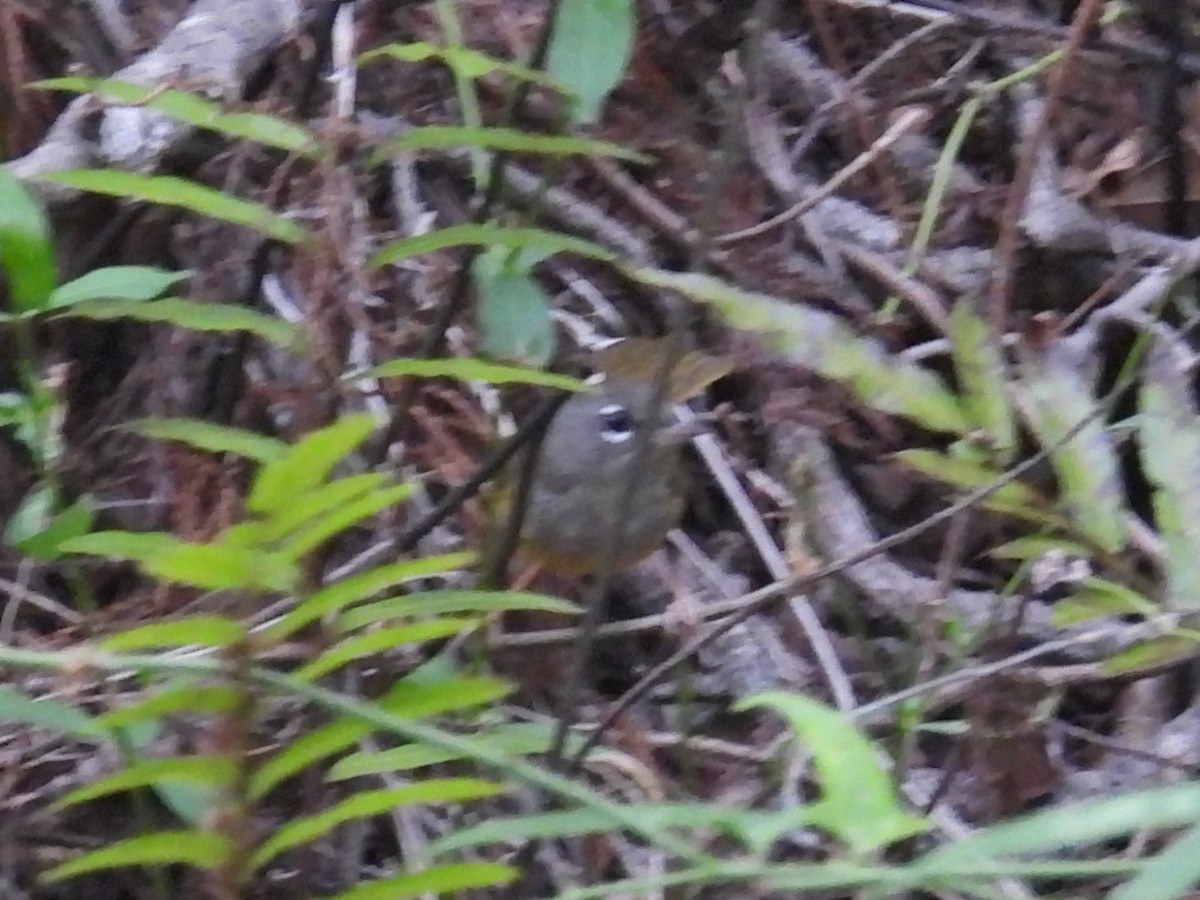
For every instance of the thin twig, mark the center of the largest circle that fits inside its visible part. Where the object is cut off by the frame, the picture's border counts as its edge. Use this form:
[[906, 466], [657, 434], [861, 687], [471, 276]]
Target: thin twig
[[910, 120], [822, 647]]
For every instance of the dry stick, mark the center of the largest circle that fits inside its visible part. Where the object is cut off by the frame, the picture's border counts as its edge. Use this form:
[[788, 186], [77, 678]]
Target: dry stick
[[1115, 746], [810, 623], [922, 298], [1014, 203], [909, 121], [892, 54], [609, 630], [227, 381]]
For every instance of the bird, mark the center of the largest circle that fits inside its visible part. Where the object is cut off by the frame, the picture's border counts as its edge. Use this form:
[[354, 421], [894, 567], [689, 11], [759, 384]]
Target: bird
[[585, 463], [584, 466]]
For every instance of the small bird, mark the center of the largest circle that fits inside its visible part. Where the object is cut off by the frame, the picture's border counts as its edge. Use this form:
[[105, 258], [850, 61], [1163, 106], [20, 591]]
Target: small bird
[[584, 467], [585, 459]]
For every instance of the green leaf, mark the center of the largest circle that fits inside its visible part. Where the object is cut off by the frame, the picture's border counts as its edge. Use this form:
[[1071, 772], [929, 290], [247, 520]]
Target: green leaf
[[366, 645], [473, 65], [471, 369], [185, 106], [1096, 598], [1172, 873], [982, 373], [212, 438], [466, 63], [886, 382], [414, 700], [438, 603], [18, 708], [214, 772], [46, 545], [1071, 825], [130, 283], [26, 251], [513, 312], [969, 474], [317, 531], [131, 545], [312, 508], [183, 697], [303, 752], [452, 877], [217, 567], [407, 698], [15, 408], [488, 235], [510, 139], [824, 344], [366, 804], [589, 50], [402, 721], [204, 849], [192, 801], [307, 463], [210, 566], [1170, 446], [1088, 472], [1150, 654], [835, 876], [514, 739], [655, 817], [32, 516], [557, 825], [418, 51], [195, 316], [349, 590], [172, 191], [206, 630], [858, 801]]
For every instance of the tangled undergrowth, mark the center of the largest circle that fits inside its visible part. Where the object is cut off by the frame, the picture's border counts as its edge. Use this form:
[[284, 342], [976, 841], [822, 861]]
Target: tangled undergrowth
[[290, 288]]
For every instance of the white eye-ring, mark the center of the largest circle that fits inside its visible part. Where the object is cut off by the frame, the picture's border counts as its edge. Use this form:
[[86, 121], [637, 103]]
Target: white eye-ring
[[616, 422]]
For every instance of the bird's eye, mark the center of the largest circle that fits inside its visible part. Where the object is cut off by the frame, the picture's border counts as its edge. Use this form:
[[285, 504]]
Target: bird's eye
[[616, 423]]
